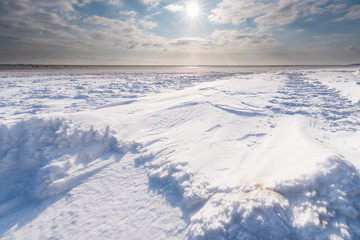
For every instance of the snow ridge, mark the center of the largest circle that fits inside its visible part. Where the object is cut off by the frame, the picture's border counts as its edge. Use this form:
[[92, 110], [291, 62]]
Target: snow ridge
[[45, 157]]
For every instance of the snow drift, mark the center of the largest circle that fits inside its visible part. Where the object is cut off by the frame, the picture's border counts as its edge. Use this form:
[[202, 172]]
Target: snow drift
[[288, 187], [45, 157], [292, 189]]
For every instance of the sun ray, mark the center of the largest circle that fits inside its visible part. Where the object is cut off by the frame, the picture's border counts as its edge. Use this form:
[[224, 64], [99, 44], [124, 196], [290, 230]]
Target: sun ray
[[193, 9]]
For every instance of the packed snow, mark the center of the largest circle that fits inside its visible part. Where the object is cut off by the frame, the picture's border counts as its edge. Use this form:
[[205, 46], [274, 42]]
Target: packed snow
[[207, 155]]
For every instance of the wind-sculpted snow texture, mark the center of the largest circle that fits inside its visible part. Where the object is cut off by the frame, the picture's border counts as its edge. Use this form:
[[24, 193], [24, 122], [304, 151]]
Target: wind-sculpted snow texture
[[271, 155], [42, 158], [35, 93], [316, 202]]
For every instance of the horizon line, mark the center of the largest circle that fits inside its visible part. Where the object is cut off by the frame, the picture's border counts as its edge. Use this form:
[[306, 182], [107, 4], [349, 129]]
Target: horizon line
[[172, 65]]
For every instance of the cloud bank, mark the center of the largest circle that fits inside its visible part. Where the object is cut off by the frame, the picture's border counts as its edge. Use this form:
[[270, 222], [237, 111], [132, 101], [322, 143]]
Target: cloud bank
[[140, 31]]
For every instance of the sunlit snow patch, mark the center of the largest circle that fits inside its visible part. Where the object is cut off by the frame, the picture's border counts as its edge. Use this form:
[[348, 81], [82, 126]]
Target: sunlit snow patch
[[291, 188]]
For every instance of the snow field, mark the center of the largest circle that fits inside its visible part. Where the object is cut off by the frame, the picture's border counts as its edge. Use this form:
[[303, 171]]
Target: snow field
[[251, 156], [25, 94]]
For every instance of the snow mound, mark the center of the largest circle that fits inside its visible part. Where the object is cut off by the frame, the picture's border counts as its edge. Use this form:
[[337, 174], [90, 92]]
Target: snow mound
[[325, 204], [289, 187], [357, 73], [45, 157], [292, 189]]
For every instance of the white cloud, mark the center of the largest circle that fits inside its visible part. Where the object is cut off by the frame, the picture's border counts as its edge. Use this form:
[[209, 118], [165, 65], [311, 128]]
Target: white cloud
[[151, 3], [278, 12], [236, 12], [105, 21], [147, 24], [114, 2], [174, 8], [62, 5], [152, 15], [352, 14], [128, 13], [123, 34], [287, 11]]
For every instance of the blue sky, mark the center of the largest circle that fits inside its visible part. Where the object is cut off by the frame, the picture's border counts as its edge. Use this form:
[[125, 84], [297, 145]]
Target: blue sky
[[180, 32]]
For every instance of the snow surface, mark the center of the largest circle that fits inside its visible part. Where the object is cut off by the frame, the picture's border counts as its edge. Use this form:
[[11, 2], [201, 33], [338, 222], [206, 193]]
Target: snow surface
[[261, 155]]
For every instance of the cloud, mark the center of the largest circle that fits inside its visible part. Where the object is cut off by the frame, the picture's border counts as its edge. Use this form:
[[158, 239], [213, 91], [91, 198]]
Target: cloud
[[126, 34], [186, 43], [278, 12], [226, 40], [38, 30], [285, 12], [27, 17], [132, 44], [147, 24], [128, 13], [66, 5], [151, 3], [114, 2], [97, 20], [232, 38], [111, 2], [174, 8], [236, 12], [64, 28], [352, 14]]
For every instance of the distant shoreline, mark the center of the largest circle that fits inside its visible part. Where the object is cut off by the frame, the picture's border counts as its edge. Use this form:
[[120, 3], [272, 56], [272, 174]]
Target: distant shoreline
[[160, 68]]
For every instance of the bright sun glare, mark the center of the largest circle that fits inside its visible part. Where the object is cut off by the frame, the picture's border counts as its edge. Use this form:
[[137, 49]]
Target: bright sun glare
[[193, 9]]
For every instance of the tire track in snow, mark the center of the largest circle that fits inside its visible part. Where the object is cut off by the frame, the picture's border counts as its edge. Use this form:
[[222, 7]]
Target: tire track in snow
[[300, 95]]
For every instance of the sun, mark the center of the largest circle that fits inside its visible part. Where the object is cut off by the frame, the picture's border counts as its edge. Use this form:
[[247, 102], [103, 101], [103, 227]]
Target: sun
[[193, 9]]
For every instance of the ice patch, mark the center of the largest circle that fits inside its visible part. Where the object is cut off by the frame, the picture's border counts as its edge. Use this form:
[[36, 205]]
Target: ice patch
[[40, 158]]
